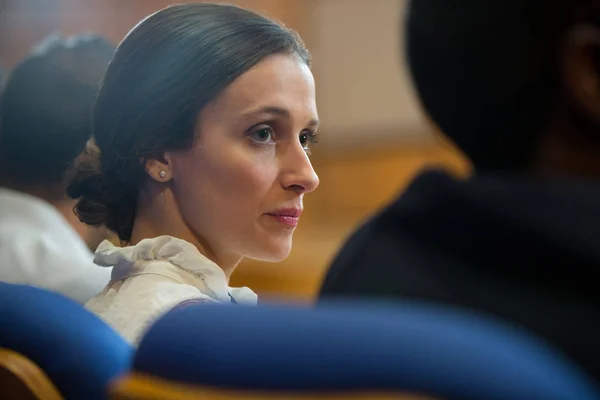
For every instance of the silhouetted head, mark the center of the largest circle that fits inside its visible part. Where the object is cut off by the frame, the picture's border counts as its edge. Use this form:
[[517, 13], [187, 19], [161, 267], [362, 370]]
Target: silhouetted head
[[514, 83]]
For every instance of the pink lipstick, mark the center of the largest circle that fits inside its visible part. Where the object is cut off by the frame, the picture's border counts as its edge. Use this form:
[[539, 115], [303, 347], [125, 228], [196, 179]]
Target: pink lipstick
[[288, 216]]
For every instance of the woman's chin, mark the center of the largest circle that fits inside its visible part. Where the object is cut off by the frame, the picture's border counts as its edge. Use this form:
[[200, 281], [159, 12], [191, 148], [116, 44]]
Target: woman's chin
[[275, 251]]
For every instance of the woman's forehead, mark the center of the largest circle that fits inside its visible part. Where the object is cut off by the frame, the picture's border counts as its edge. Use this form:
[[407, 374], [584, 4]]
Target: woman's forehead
[[277, 81]]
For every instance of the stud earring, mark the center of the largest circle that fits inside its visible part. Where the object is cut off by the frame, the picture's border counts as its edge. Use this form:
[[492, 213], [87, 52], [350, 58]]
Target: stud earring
[[162, 174]]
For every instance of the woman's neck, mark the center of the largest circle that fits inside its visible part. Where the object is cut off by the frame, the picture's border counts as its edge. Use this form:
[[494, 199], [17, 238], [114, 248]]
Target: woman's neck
[[158, 215]]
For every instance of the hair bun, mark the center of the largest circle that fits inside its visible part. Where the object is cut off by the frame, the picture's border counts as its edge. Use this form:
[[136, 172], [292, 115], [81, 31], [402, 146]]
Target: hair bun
[[87, 184], [85, 178], [100, 201]]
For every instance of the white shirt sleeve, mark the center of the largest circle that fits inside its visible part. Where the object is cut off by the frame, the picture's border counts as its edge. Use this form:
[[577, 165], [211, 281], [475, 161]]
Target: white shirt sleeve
[[55, 260]]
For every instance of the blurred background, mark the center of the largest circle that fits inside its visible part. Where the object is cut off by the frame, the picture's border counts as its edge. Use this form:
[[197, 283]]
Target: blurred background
[[373, 135]]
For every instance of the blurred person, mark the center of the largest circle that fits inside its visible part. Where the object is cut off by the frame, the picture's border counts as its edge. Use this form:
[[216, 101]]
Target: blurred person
[[2, 77], [203, 128], [44, 125], [516, 85]]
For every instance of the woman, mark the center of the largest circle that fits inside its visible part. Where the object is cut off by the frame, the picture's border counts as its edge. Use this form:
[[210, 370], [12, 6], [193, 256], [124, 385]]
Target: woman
[[202, 128]]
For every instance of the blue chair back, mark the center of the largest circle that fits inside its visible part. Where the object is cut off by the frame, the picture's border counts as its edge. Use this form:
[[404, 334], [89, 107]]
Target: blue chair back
[[412, 348], [78, 351]]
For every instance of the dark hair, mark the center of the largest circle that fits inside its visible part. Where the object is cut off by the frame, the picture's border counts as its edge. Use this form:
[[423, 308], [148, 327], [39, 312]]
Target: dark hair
[[487, 72], [164, 72], [45, 112]]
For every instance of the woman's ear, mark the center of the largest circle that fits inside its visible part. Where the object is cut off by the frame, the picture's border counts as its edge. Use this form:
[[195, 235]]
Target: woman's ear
[[160, 169]]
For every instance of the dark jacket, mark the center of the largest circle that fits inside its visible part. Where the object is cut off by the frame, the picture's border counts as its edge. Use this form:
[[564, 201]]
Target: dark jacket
[[523, 249]]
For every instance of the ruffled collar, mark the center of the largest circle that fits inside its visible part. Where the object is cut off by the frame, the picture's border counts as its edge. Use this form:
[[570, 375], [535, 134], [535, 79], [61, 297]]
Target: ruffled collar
[[128, 260]]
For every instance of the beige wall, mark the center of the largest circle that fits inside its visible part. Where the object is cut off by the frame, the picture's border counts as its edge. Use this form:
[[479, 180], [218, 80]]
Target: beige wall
[[363, 88]]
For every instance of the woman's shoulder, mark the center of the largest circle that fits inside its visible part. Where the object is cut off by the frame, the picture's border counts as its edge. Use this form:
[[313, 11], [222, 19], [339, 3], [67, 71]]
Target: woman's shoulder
[[147, 291], [130, 306]]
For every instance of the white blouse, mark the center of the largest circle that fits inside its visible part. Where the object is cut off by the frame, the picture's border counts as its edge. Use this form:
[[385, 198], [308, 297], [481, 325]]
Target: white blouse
[[154, 276]]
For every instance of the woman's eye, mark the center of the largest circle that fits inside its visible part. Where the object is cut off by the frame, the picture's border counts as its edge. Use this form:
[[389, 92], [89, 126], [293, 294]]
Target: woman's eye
[[263, 135], [307, 139], [304, 140]]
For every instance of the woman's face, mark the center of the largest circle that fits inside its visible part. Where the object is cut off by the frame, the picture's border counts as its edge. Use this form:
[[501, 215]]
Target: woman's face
[[239, 189]]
